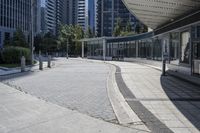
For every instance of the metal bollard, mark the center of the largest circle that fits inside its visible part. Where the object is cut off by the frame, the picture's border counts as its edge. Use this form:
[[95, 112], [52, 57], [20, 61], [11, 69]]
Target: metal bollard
[[40, 63], [49, 61], [67, 56], [23, 64], [164, 67]]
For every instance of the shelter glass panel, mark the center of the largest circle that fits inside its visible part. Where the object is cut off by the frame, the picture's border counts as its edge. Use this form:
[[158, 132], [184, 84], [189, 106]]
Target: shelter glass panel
[[185, 47]]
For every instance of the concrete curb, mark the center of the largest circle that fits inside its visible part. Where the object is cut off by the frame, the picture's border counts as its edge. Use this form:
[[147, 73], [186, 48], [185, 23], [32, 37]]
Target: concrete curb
[[117, 101], [122, 110]]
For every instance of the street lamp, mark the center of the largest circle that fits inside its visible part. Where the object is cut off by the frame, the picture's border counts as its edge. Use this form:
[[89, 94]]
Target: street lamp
[[67, 49], [32, 31]]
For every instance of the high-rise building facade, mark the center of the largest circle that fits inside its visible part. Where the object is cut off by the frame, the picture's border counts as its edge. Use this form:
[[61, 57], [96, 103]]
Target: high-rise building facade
[[54, 15], [37, 17], [70, 12], [92, 15], [82, 14], [108, 11], [15, 14], [65, 12], [43, 20]]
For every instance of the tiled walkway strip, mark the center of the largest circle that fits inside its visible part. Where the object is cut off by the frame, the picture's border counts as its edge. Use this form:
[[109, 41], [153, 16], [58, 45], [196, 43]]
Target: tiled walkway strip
[[154, 124]]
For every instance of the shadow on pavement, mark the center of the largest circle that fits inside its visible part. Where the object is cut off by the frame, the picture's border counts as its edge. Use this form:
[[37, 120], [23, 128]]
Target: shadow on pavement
[[185, 96], [15, 75]]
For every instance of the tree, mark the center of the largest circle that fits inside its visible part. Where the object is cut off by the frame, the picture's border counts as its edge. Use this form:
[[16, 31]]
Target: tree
[[49, 43], [138, 29], [69, 36], [128, 26], [78, 34], [65, 36], [89, 33], [38, 42], [145, 29], [118, 28], [128, 30], [19, 39]]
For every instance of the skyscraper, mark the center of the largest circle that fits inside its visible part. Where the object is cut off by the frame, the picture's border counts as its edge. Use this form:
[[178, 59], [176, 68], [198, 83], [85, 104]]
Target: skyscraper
[[54, 15], [65, 12], [82, 14], [16, 14], [92, 15], [108, 11], [70, 12], [37, 17], [43, 20]]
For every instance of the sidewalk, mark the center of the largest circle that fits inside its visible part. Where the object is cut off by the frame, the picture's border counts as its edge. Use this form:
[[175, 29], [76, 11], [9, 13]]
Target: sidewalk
[[164, 104], [23, 113], [9, 71]]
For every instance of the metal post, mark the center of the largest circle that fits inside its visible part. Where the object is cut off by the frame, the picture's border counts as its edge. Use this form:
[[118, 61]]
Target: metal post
[[67, 49], [32, 31], [83, 50], [164, 67], [49, 61], [104, 49], [23, 64], [40, 63]]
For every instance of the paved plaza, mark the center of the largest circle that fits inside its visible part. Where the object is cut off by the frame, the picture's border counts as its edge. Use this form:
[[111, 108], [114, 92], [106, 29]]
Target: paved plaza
[[74, 84], [79, 95], [23, 113]]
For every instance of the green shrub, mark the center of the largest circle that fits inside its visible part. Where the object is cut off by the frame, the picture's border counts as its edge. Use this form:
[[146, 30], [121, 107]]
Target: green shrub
[[12, 55]]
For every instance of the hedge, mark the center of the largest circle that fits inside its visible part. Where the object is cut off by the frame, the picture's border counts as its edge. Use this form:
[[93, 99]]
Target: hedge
[[12, 55]]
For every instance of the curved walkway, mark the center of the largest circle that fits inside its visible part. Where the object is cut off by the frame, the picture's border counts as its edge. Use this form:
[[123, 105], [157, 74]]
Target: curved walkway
[[164, 104]]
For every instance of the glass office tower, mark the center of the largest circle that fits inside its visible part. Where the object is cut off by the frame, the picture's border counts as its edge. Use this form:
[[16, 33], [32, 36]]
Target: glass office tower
[[108, 11], [54, 15], [15, 14]]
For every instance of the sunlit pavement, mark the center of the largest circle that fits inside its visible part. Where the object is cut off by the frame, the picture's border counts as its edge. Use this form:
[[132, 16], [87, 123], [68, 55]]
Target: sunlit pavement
[[73, 84], [160, 100], [23, 113], [72, 97]]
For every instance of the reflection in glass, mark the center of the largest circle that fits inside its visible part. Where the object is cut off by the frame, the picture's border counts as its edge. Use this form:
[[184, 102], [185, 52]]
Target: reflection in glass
[[197, 50], [185, 39], [174, 48]]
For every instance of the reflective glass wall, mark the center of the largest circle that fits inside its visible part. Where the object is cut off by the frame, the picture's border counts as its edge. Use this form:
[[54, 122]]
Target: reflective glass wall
[[95, 48], [174, 48], [195, 35]]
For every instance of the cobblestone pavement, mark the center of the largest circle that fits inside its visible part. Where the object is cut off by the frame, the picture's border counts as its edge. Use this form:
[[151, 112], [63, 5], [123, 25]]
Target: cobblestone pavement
[[75, 84], [173, 102], [23, 113]]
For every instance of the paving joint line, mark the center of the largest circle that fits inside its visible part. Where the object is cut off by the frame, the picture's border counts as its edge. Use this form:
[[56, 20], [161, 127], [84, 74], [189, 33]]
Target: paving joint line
[[151, 121]]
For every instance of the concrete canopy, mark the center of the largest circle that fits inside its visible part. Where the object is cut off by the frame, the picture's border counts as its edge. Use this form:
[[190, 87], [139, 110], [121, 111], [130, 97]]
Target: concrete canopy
[[155, 13]]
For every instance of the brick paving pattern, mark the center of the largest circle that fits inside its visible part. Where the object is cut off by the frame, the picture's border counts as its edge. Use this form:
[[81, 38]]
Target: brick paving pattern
[[75, 84]]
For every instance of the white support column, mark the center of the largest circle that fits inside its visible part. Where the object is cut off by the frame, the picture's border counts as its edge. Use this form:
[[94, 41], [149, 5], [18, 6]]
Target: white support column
[[104, 49], [83, 54]]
